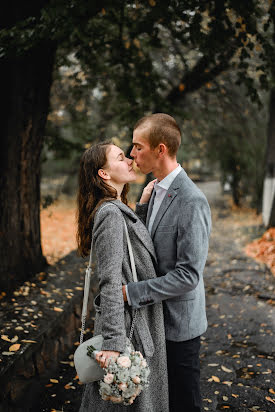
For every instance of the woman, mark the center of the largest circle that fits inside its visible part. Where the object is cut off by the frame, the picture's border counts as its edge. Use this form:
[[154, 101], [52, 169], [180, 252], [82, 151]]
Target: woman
[[102, 208]]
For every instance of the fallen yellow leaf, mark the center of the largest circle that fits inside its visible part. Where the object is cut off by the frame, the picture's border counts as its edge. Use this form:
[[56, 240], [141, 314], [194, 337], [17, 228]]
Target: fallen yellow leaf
[[53, 380], [5, 337], [271, 391], [58, 309], [225, 369], [270, 399], [215, 378], [227, 383], [15, 347]]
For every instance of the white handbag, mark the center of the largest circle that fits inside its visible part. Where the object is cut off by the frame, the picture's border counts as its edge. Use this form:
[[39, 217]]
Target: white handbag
[[87, 368]]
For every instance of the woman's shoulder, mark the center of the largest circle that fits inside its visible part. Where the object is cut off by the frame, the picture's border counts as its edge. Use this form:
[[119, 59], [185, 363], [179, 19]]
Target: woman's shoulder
[[105, 209]]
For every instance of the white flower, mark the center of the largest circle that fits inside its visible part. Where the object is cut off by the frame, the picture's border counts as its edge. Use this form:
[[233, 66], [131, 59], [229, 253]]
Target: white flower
[[123, 376]]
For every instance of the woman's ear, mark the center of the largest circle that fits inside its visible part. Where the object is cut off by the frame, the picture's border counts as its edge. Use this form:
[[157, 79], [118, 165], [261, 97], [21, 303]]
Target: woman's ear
[[103, 174]]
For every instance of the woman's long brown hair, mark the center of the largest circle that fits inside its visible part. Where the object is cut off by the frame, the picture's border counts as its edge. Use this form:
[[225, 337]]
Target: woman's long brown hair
[[92, 191]]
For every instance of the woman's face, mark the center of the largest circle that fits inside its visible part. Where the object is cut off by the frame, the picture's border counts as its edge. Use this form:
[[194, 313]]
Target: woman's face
[[119, 168]]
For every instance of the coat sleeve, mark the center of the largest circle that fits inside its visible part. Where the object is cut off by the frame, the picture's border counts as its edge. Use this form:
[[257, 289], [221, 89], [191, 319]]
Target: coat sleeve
[[191, 254], [108, 242]]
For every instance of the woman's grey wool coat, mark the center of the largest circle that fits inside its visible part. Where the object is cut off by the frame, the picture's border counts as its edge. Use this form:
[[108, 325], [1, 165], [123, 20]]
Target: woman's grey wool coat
[[113, 317]]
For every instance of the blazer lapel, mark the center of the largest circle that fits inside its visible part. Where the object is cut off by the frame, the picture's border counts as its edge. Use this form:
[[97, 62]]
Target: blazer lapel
[[168, 199]]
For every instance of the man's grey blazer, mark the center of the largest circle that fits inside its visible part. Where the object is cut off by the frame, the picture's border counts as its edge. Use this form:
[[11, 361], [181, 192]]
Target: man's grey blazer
[[180, 234]]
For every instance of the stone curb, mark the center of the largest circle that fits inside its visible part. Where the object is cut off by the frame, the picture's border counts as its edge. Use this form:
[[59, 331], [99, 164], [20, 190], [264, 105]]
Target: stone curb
[[52, 308]]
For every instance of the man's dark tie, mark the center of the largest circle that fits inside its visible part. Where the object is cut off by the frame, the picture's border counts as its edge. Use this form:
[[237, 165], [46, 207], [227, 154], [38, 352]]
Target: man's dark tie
[[150, 207]]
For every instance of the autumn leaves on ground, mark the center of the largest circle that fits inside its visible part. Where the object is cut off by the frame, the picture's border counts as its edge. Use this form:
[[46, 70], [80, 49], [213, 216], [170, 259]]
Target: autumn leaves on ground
[[58, 229], [58, 232]]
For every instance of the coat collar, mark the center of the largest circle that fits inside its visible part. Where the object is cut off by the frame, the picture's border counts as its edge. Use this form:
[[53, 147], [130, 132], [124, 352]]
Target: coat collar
[[139, 229], [168, 199]]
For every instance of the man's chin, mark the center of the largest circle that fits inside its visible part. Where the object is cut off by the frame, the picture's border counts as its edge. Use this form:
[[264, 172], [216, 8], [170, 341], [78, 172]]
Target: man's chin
[[144, 171]]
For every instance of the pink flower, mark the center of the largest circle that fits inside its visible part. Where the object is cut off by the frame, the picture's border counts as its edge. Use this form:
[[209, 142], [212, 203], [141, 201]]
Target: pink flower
[[108, 378], [122, 386], [116, 399], [124, 361], [136, 379]]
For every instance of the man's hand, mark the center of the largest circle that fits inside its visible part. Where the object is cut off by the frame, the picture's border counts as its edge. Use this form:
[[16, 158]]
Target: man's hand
[[147, 191], [124, 293]]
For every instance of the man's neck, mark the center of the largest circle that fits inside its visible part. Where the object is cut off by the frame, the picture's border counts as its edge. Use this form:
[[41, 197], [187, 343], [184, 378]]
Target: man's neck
[[165, 169]]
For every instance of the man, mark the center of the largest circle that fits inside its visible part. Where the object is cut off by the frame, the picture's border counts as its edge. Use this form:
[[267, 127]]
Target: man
[[179, 221]]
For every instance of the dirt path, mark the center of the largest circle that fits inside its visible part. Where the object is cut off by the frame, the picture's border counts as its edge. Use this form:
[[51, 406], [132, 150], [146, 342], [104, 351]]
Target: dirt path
[[237, 356]]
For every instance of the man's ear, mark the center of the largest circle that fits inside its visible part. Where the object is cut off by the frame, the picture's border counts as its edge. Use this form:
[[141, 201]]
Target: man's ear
[[103, 174], [162, 149]]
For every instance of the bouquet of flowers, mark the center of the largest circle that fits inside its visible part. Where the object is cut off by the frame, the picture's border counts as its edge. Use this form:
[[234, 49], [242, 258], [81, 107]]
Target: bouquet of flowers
[[124, 377]]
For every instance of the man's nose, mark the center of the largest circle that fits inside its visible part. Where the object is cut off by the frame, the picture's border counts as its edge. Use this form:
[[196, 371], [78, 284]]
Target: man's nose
[[132, 153]]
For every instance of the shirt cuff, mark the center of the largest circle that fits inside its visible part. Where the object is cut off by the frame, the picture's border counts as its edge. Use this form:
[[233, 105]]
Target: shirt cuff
[[128, 297]]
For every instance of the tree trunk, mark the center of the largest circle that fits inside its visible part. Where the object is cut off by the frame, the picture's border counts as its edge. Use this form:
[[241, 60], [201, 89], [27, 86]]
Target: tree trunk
[[25, 88], [269, 182]]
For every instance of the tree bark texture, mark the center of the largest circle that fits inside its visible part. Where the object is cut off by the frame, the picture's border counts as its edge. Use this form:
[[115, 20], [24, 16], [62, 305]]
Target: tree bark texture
[[25, 89]]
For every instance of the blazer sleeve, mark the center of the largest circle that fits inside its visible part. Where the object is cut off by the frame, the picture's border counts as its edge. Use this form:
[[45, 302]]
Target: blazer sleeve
[[141, 211], [191, 254], [108, 235]]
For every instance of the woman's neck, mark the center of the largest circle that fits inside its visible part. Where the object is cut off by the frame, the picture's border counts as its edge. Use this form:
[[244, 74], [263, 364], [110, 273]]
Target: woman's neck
[[118, 189]]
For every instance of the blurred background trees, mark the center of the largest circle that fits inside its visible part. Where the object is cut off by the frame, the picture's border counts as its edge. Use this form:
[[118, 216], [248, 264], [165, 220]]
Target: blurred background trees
[[210, 64]]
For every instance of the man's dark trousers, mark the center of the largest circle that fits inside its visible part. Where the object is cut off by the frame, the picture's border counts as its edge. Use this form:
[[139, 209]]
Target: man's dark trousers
[[184, 375]]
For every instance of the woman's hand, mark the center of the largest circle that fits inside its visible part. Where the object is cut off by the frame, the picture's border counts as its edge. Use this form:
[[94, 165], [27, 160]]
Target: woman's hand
[[104, 356], [147, 191]]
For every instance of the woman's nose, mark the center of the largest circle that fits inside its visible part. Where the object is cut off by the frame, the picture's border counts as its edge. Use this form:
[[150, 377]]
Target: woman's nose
[[130, 161]]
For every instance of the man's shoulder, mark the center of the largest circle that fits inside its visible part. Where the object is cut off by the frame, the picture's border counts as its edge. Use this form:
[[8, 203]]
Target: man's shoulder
[[188, 191]]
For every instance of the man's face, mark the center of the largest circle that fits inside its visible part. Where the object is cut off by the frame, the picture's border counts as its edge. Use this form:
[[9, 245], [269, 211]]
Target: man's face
[[146, 158]]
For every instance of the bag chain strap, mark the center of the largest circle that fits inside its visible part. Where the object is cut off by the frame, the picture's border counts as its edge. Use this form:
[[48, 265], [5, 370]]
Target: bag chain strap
[[87, 286]]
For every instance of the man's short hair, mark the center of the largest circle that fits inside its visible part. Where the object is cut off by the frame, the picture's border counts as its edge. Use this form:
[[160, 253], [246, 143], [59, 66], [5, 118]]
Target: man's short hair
[[162, 128]]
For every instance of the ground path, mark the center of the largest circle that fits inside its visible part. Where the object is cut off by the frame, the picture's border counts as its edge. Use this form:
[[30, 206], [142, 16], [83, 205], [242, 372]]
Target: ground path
[[237, 356]]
